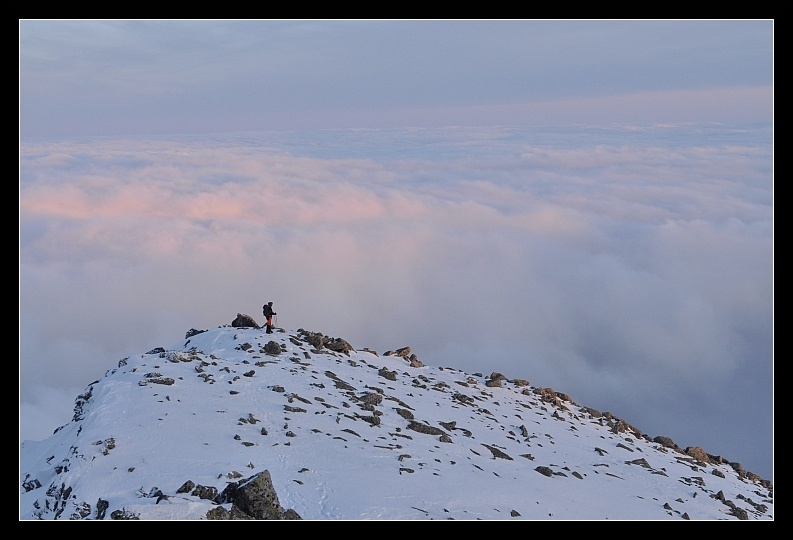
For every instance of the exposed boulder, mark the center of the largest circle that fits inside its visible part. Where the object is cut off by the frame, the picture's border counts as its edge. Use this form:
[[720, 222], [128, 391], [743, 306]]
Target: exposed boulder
[[338, 345], [698, 453], [318, 341], [390, 375], [495, 380], [244, 321], [272, 348], [414, 361], [252, 498], [621, 426], [403, 352], [424, 428], [667, 442]]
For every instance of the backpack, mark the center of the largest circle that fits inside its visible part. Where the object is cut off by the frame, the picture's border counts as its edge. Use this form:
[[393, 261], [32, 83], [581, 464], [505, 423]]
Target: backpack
[[267, 309]]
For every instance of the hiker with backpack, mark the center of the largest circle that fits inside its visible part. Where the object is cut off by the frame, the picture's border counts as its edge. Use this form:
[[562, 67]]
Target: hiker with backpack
[[267, 311]]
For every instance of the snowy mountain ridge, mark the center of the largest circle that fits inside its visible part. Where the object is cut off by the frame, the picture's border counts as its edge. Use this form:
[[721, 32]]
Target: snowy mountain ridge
[[345, 434]]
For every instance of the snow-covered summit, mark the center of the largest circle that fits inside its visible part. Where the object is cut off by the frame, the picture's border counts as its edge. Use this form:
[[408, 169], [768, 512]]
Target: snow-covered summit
[[346, 434]]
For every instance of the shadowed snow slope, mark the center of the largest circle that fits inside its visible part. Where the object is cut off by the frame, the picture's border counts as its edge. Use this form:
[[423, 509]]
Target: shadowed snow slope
[[357, 435]]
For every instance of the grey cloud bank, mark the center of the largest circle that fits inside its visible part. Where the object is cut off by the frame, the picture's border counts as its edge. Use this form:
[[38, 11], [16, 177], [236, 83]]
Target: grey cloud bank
[[84, 78], [624, 265]]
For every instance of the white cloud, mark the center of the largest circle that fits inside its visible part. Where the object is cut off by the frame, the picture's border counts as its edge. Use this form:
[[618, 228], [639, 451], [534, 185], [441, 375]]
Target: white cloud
[[646, 264]]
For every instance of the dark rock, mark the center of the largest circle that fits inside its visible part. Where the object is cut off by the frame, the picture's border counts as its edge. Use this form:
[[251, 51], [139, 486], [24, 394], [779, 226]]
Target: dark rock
[[272, 348], [253, 498], [497, 453], [187, 487], [404, 413], [372, 398], [244, 321], [218, 513], [390, 375], [101, 508], [123, 514], [424, 428], [205, 492], [665, 442]]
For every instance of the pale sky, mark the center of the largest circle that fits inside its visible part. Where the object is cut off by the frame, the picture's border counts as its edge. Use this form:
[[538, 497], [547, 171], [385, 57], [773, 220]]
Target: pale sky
[[587, 204], [168, 77]]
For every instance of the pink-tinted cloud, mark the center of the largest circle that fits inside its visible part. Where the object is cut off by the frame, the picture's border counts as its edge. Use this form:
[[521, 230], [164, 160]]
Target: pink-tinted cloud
[[640, 265]]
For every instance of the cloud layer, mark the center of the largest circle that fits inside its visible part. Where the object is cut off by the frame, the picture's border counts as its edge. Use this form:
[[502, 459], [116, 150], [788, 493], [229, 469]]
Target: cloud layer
[[621, 265]]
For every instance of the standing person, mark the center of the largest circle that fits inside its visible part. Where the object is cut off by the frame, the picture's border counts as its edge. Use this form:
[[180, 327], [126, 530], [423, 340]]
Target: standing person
[[267, 311]]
